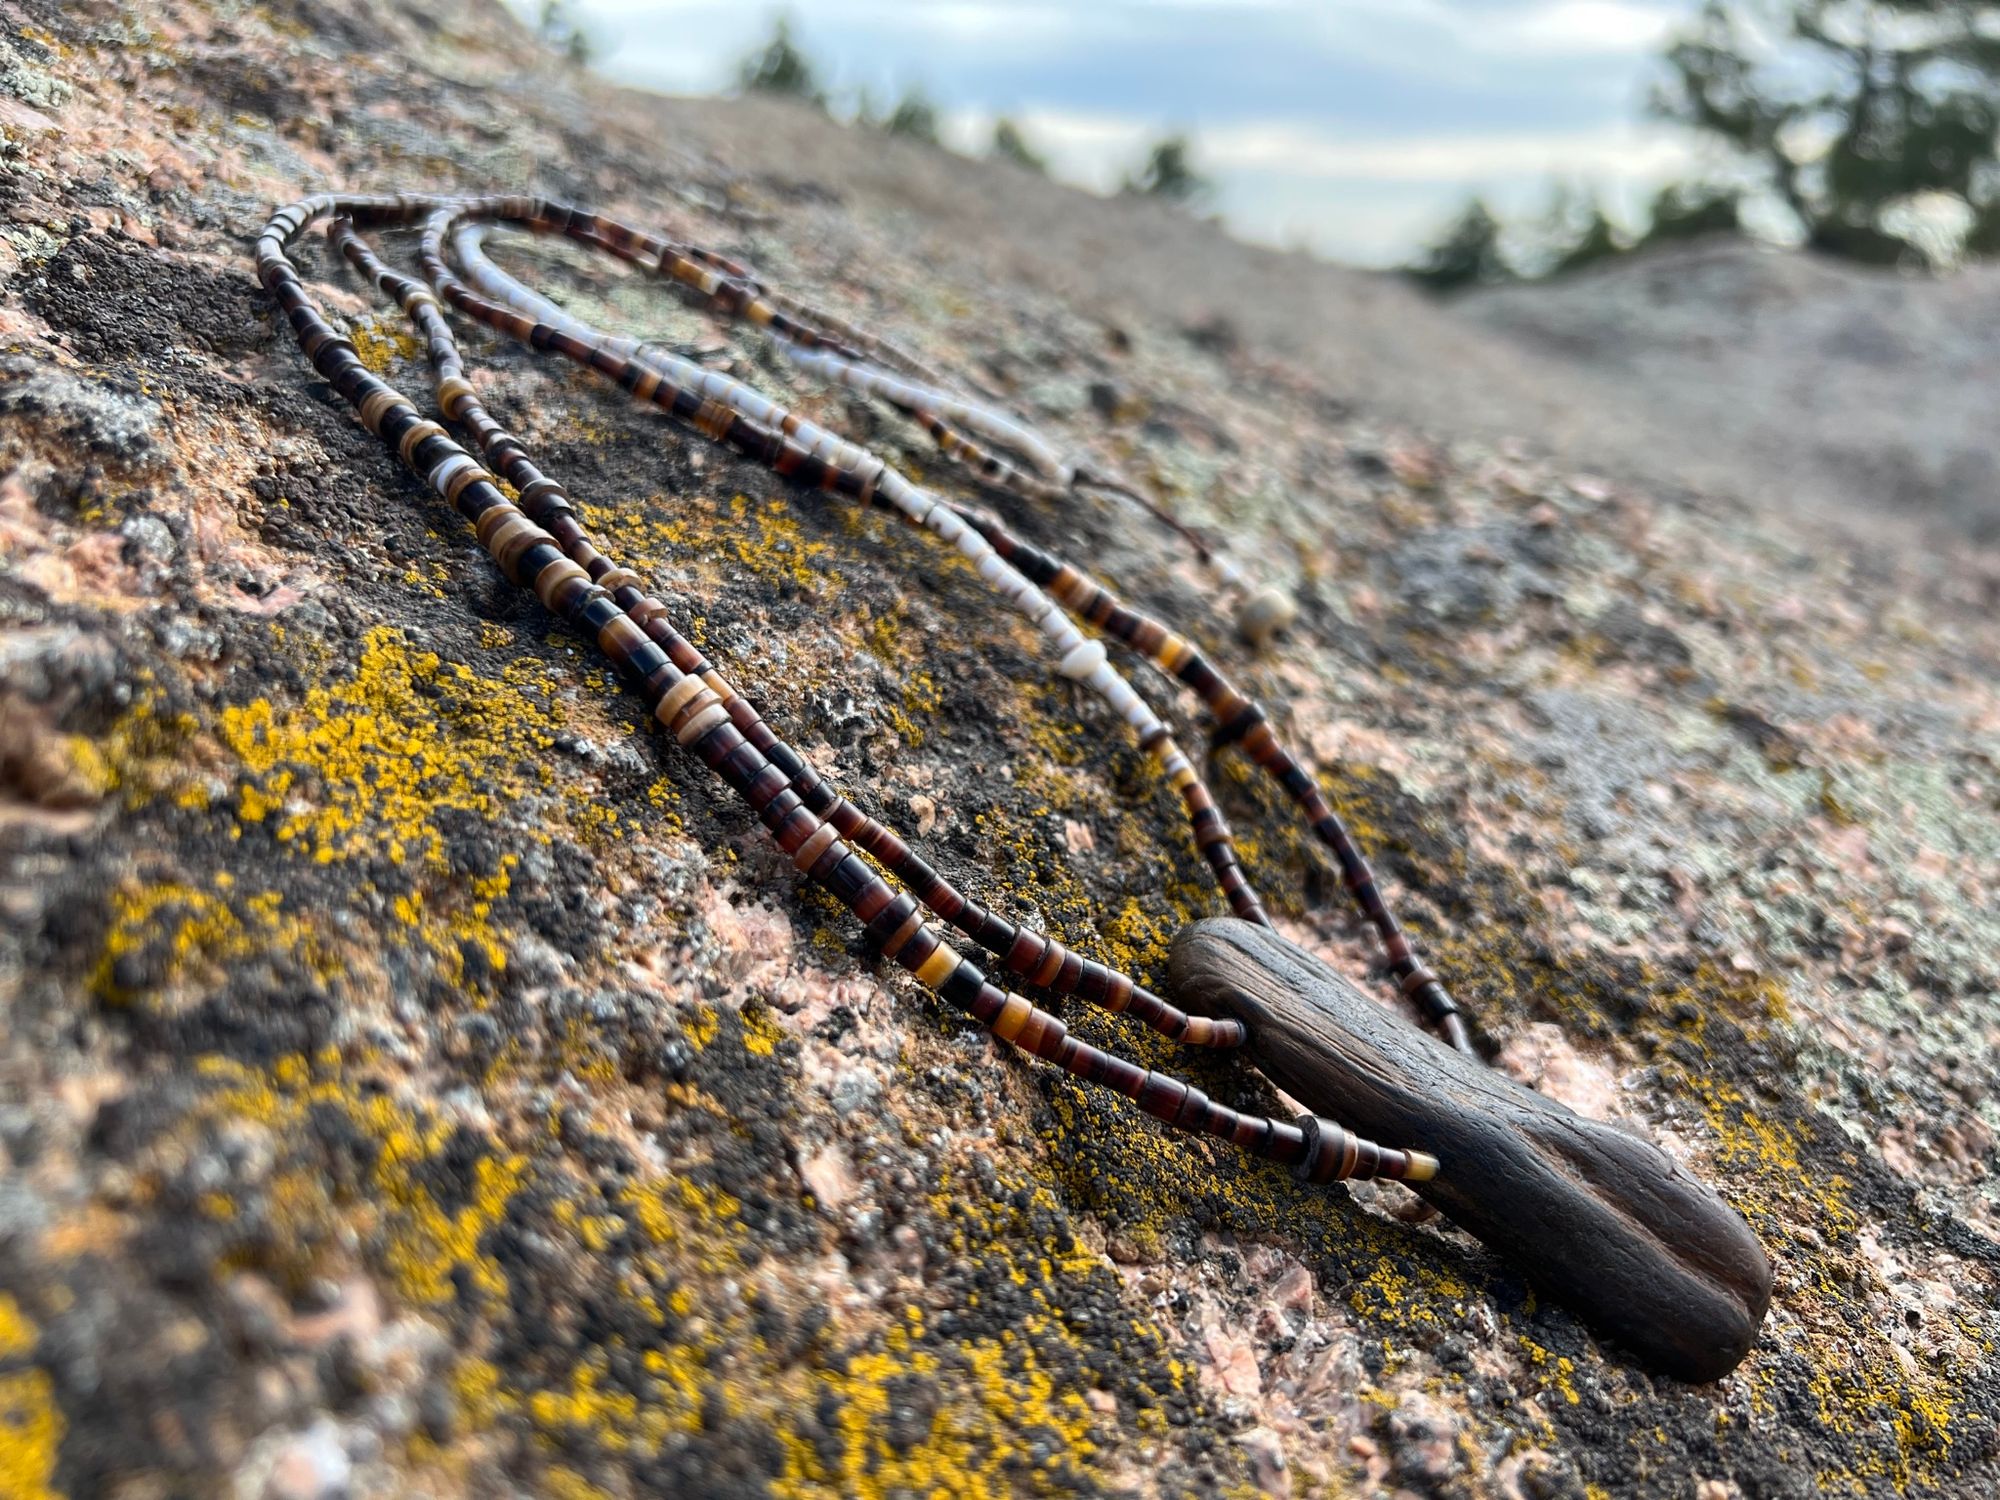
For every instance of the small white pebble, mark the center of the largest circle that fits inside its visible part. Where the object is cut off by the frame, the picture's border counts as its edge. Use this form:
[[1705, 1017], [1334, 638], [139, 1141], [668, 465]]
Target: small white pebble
[[1267, 611]]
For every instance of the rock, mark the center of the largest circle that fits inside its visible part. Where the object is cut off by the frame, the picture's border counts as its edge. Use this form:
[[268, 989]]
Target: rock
[[1268, 1470], [418, 1073], [1264, 614], [1422, 1437], [311, 1466]]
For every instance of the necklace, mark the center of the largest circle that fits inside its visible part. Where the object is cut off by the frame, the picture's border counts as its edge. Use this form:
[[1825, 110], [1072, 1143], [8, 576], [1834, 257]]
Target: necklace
[[1642, 1250]]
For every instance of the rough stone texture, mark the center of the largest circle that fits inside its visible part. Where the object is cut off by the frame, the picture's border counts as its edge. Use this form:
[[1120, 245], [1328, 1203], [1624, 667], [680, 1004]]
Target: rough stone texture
[[1822, 381], [415, 1078]]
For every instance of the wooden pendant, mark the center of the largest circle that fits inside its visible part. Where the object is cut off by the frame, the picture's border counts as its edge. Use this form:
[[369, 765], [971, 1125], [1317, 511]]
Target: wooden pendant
[[1642, 1250]]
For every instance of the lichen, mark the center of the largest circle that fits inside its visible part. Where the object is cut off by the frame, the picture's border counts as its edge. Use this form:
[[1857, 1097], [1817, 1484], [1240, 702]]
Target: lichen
[[191, 934], [433, 1247], [368, 764], [382, 340], [31, 1425], [712, 539]]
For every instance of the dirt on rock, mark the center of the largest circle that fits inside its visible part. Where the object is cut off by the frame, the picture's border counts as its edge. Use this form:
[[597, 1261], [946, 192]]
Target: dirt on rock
[[417, 1077]]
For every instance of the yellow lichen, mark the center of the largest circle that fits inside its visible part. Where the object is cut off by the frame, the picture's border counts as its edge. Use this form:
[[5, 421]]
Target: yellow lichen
[[17, 1333], [31, 1427], [381, 340], [200, 932], [719, 539], [431, 1247], [366, 765], [31, 1430]]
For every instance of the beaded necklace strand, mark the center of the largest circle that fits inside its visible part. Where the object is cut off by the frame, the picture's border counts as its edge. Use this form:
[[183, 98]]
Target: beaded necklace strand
[[1238, 717], [541, 544], [751, 421]]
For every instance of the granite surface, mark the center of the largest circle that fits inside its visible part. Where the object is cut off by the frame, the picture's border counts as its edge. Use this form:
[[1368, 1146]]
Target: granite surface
[[418, 1078]]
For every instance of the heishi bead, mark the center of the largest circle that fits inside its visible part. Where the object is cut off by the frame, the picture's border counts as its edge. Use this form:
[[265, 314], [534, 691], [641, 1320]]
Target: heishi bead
[[417, 434], [677, 698], [815, 846]]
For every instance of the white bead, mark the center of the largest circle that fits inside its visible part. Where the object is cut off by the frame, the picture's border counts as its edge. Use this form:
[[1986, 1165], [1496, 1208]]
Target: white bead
[[1083, 661]]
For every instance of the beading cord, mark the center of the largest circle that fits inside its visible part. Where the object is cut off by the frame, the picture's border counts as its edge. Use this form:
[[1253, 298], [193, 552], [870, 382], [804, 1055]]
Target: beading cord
[[1041, 961], [467, 243], [693, 702], [1264, 611], [837, 349], [1240, 719], [873, 370], [732, 412]]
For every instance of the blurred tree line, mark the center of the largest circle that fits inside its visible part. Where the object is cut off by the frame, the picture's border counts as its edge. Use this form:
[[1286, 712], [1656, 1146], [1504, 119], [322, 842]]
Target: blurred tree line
[[1865, 129], [779, 67], [557, 26]]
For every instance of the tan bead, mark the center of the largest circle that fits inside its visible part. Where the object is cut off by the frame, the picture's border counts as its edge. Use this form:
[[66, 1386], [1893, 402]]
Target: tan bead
[[940, 966], [1013, 1016], [378, 404], [503, 536], [701, 702], [815, 845], [701, 723], [415, 436], [566, 594], [517, 546], [678, 697], [451, 391], [550, 581], [490, 521]]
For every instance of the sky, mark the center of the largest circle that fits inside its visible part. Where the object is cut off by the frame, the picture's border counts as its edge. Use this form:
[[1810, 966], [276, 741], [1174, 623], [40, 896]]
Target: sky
[[1352, 128]]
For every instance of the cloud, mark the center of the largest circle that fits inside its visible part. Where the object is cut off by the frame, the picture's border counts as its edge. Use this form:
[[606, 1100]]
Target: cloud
[[1302, 151], [688, 39], [1355, 126], [1366, 200], [1093, 150], [1576, 28]]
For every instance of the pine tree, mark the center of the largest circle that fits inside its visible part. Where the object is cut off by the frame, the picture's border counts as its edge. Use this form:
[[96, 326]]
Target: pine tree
[[1169, 173], [1687, 211], [778, 67], [1466, 254], [1849, 110], [558, 27], [1010, 145], [914, 116], [1575, 232]]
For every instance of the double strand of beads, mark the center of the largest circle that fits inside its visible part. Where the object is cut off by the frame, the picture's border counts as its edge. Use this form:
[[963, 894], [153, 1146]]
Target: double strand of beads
[[842, 352], [695, 706], [729, 411], [1239, 719]]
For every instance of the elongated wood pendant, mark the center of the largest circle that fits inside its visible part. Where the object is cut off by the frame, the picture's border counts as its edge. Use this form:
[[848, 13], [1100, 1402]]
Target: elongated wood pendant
[[1643, 1251]]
